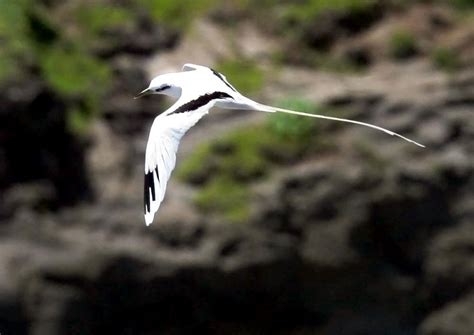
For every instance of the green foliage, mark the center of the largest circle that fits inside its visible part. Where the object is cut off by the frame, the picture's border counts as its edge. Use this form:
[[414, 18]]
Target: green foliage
[[248, 153], [13, 18], [78, 120], [72, 71], [463, 4], [293, 127], [244, 74], [402, 44], [445, 59], [8, 65], [321, 60], [340, 64], [241, 157], [101, 16], [298, 13], [14, 44], [42, 30], [237, 156], [197, 165], [227, 198], [293, 136], [178, 14], [33, 36], [227, 166], [224, 167], [311, 9]]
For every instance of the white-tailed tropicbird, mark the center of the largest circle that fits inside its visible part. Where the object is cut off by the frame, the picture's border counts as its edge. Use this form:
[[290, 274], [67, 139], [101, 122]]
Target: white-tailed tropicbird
[[197, 89]]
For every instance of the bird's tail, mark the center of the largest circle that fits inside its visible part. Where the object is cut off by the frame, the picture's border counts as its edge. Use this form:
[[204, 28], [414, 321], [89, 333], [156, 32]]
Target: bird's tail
[[266, 108]]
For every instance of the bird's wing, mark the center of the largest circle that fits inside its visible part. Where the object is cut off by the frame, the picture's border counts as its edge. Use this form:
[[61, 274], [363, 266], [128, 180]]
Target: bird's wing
[[160, 157], [192, 67], [166, 132]]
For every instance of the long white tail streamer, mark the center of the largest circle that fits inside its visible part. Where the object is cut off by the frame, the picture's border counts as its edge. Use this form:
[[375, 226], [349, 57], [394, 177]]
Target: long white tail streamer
[[267, 108]]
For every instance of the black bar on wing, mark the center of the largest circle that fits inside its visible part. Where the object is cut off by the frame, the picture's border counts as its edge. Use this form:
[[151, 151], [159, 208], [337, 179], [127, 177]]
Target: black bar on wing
[[221, 77], [200, 102], [149, 184]]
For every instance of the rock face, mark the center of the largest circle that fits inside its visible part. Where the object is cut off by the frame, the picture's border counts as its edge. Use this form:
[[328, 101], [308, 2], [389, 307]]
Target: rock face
[[373, 237], [355, 242], [32, 120], [455, 318]]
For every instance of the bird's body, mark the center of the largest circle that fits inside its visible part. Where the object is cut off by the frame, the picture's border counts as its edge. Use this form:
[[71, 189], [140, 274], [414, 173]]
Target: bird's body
[[197, 89]]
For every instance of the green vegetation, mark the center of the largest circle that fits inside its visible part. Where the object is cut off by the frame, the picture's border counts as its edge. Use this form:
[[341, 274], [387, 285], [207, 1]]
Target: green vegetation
[[293, 127], [321, 60], [329, 62], [178, 14], [33, 37], [72, 71], [230, 164], [247, 153], [445, 59], [244, 74], [311, 9], [59, 43], [225, 167], [241, 158], [227, 198], [402, 44], [79, 119], [197, 166], [14, 45], [463, 4], [91, 20], [236, 156]]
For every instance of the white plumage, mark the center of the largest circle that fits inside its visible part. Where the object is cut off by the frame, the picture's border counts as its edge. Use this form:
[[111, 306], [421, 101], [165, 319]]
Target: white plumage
[[198, 89]]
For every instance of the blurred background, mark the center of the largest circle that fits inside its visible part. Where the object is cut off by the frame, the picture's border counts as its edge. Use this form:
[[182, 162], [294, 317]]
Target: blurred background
[[272, 224]]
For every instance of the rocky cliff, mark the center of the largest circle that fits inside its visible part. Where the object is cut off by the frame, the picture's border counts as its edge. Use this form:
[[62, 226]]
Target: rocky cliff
[[363, 235]]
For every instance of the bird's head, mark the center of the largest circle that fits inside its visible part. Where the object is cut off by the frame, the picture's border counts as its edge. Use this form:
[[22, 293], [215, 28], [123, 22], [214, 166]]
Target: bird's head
[[165, 84]]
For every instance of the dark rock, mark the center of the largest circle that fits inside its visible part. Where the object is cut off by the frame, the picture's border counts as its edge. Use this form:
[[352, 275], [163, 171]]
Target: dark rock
[[449, 271], [125, 115], [364, 101], [454, 167], [436, 133], [180, 234], [143, 38], [402, 219], [453, 319], [37, 196], [12, 317], [360, 57], [36, 143], [329, 26], [355, 236]]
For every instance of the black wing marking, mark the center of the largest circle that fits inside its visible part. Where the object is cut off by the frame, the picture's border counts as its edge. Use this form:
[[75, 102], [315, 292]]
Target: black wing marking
[[151, 189], [201, 101], [149, 184], [221, 77]]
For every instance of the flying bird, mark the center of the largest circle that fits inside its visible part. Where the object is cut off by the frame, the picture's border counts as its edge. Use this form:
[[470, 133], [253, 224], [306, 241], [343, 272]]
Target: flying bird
[[197, 89]]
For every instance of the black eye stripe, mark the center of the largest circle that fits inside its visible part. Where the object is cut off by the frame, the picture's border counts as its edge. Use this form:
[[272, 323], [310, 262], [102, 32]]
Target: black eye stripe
[[162, 88]]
